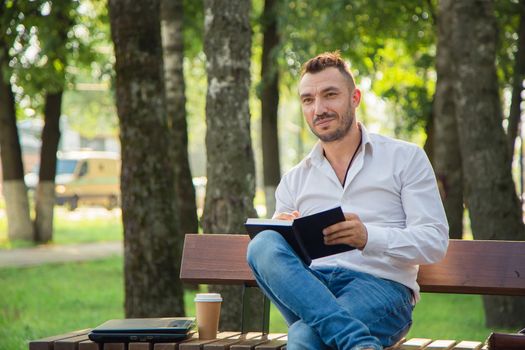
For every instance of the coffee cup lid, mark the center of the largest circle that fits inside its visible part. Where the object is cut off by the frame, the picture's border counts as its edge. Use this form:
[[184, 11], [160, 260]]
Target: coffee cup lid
[[208, 297]]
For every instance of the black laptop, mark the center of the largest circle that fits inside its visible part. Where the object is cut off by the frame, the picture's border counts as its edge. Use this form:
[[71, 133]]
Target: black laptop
[[154, 330]]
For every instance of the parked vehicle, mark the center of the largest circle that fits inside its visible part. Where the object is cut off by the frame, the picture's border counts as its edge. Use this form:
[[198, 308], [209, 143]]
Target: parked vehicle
[[85, 177]]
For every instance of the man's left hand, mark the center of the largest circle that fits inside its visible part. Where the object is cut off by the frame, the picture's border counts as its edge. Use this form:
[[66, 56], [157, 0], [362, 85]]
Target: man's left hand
[[352, 231]]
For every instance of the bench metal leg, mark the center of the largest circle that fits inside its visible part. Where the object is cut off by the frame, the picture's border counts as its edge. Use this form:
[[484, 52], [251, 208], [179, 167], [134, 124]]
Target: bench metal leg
[[247, 294]]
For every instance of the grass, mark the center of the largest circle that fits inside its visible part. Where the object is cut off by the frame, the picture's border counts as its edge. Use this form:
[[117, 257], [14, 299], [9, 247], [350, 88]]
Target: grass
[[80, 226], [53, 299]]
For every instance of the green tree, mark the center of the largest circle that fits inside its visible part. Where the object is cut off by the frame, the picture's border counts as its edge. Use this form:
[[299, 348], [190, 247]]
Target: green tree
[[151, 227], [230, 165], [269, 95], [447, 156], [173, 50], [53, 33], [15, 192], [495, 211]]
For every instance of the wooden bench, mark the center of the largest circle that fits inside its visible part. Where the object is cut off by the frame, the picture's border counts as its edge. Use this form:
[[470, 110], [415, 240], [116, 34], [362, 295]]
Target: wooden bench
[[470, 267]]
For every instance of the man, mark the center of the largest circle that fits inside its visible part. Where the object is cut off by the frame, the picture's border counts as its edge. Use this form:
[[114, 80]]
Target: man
[[361, 299]]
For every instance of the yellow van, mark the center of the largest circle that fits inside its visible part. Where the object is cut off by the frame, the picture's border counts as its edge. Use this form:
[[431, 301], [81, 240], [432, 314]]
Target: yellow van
[[88, 177]]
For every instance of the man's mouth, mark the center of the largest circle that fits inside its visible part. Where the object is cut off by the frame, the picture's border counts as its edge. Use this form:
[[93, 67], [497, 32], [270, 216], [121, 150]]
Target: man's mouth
[[323, 119]]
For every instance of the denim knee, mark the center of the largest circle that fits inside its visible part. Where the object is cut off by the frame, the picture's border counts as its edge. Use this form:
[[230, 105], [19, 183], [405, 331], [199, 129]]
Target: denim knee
[[301, 336], [258, 253]]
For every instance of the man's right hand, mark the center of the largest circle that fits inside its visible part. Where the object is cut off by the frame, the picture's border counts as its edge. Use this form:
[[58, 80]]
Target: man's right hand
[[287, 216]]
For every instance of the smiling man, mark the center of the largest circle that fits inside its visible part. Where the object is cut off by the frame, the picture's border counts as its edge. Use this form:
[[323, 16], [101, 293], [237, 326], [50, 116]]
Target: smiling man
[[361, 299]]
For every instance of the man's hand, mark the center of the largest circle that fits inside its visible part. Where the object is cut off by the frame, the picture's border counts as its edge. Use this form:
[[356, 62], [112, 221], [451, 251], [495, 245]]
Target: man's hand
[[287, 216], [352, 232]]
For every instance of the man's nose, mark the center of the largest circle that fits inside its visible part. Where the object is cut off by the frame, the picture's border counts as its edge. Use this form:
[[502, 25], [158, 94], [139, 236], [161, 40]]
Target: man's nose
[[319, 107]]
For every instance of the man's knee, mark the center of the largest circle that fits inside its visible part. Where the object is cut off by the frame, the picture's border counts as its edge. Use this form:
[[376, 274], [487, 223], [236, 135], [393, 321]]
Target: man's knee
[[259, 251]]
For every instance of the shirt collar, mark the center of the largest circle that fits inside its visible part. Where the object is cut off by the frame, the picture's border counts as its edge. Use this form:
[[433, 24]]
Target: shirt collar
[[316, 155]]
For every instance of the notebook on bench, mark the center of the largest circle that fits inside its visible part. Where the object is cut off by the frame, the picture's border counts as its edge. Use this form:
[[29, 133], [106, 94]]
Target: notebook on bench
[[152, 330]]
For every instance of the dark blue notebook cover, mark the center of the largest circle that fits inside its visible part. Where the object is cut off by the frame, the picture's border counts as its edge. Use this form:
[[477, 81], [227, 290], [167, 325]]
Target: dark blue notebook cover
[[304, 234]]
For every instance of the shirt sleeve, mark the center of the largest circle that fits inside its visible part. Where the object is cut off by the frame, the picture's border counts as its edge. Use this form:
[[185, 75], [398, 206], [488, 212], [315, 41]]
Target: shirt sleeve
[[424, 240], [284, 201]]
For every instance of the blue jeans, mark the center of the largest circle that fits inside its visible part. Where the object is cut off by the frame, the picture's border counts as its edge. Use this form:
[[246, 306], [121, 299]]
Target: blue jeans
[[329, 307]]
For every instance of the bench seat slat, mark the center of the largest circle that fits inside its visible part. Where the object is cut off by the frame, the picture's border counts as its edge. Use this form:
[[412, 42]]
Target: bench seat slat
[[470, 267]]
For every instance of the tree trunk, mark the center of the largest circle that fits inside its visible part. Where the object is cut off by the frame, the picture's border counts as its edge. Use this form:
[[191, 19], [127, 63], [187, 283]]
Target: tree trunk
[[447, 156], [15, 193], [517, 82], [151, 228], [45, 191], [270, 104], [495, 210], [173, 49], [230, 165]]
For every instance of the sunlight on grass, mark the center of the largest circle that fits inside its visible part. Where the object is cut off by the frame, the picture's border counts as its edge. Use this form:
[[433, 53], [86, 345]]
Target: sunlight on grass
[[80, 226]]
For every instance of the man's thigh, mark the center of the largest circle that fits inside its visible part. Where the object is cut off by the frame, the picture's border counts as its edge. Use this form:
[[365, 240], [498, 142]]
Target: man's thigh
[[383, 306]]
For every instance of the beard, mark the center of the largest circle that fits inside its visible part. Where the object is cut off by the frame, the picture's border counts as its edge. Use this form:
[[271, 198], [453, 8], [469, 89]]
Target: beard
[[345, 124]]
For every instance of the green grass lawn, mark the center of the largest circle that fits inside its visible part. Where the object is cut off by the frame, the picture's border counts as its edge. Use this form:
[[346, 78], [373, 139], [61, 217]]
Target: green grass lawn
[[41, 301], [80, 226]]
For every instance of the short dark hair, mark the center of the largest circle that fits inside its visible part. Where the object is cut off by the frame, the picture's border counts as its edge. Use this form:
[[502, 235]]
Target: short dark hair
[[327, 60]]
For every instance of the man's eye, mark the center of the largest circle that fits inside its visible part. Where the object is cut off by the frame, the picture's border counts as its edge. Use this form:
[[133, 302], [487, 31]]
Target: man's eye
[[307, 101]]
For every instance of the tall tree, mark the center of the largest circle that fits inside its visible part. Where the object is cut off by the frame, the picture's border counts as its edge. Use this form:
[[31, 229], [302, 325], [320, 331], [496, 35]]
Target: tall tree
[[151, 227], [446, 153], [59, 22], [15, 193], [494, 208], [173, 49], [517, 81], [230, 165], [270, 104]]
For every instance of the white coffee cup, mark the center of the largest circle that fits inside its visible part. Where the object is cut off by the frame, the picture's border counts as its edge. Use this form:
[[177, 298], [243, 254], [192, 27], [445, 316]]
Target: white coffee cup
[[208, 307]]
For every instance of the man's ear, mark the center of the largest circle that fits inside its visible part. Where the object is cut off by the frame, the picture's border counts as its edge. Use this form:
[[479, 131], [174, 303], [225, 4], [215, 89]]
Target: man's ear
[[355, 97]]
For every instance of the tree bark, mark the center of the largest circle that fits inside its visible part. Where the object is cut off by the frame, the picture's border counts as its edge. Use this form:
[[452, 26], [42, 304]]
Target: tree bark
[[173, 50], [15, 192], [494, 208], [517, 82], [270, 104], [151, 227], [45, 191], [230, 165], [447, 156]]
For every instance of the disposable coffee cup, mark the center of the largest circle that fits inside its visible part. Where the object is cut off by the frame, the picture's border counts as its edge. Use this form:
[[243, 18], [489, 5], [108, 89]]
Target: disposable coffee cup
[[208, 306]]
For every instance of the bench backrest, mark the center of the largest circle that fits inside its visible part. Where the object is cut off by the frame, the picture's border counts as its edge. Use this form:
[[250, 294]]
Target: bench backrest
[[470, 267]]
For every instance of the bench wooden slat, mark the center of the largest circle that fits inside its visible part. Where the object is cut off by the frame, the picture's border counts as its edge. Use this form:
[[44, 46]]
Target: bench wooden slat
[[114, 346], [224, 344], [197, 344], [470, 267], [415, 344], [477, 267], [252, 343], [48, 342], [441, 345], [216, 259], [70, 343], [468, 345], [88, 345], [273, 344]]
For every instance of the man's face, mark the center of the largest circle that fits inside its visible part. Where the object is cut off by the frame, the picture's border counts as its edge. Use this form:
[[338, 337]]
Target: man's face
[[328, 103]]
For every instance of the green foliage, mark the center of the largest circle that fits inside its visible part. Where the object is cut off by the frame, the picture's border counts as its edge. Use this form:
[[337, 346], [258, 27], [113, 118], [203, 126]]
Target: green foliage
[[375, 36]]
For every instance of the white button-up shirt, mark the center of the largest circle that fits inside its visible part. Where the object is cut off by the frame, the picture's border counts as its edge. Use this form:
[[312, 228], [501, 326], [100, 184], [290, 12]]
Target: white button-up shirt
[[392, 188]]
